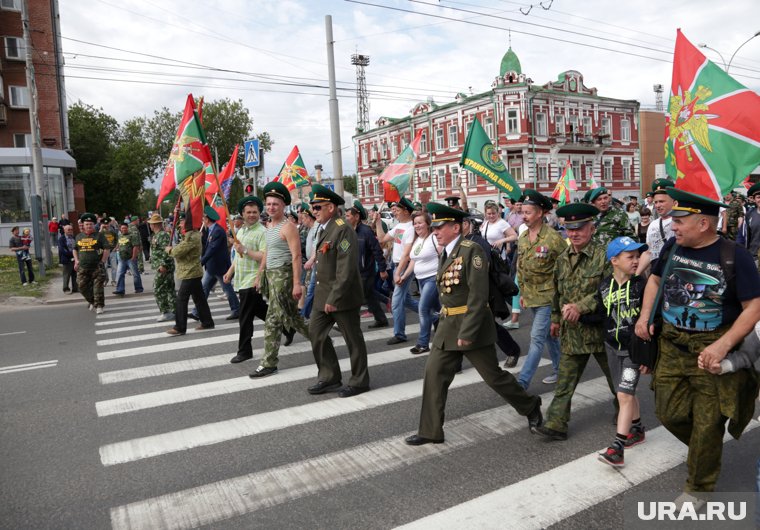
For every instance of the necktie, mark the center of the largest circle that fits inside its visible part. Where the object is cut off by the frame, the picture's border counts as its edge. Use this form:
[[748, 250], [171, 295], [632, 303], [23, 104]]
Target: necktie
[[444, 255]]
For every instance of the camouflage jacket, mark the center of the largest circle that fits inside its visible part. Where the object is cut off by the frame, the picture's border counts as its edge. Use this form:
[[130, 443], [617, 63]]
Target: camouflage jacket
[[187, 254], [535, 265], [734, 212], [612, 224], [576, 279], [158, 256]]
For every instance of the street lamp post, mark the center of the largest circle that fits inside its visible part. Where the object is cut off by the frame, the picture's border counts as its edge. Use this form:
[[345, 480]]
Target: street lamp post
[[727, 65], [722, 59]]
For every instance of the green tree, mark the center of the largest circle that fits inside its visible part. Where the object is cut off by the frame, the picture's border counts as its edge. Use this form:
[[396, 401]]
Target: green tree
[[349, 184]]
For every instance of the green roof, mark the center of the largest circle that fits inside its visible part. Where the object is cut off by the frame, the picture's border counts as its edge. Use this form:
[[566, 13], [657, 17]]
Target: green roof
[[510, 63]]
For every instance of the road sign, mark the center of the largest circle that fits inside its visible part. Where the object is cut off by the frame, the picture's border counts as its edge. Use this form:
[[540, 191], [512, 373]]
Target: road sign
[[252, 153]]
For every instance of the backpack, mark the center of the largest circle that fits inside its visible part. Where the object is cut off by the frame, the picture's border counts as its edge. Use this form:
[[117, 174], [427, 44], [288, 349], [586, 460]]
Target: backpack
[[500, 276]]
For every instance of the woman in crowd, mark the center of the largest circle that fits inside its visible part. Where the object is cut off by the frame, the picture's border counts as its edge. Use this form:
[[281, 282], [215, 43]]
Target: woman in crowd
[[424, 252], [643, 226], [633, 215]]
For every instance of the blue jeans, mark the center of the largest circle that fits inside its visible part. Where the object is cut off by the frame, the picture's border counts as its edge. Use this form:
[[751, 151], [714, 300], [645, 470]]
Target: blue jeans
[[402, 300], [209, 281], [132, 264], [309, 301], [113, 261], [429, 307], [539, 335]]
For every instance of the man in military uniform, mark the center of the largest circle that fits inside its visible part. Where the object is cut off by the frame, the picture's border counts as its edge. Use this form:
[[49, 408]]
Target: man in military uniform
[[734, 215], [338, 297], [129, 249], [611, 222], [577, 275], [538, 249], [113, 257], [692, 403], [466, 328], [163, 266], [90, 256]]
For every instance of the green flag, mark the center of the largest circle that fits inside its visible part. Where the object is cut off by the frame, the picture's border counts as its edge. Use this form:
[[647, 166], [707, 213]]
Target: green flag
[[482, 158]]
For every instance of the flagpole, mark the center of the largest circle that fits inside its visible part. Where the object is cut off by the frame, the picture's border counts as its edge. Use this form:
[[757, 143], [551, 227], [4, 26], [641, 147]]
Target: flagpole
[[176, 217], [224, 201]]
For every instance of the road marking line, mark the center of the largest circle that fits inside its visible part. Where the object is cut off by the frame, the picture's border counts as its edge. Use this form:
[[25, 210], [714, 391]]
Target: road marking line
[[565, 490], [226, 430], [12, 333], [155, 370], [154, 324], [248, 493], [228, 386], [162, 335], [152, 311], [29, 366]]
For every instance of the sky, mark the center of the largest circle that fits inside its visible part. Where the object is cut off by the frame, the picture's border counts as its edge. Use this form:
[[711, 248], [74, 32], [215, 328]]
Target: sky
[[135, 56]]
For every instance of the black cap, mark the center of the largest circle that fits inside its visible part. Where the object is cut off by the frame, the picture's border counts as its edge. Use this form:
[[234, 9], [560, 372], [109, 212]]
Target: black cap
[[250, 199], [533, 198], [753, 190], [452, 201], [87, 216]]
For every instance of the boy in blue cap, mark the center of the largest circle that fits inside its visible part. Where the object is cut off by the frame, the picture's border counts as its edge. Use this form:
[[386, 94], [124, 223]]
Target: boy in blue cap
[[618, 302]]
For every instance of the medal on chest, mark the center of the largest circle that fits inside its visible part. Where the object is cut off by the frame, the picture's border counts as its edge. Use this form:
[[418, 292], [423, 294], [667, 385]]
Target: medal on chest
[[451, 276]]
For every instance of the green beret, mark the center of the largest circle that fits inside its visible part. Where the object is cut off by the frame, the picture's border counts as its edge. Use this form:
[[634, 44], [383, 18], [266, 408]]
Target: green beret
[[577, 214], [650, 194], [87, 216], [691, 203], [135, 218], [596, 193], [532, 197], [441, 214], [406, 204], [587, 196], [754, 189], [375, 208], [250, 199], [277, 189], [661, 186], [362, 211], [417, 205], [209, 212], [305, 207], [323, 194]]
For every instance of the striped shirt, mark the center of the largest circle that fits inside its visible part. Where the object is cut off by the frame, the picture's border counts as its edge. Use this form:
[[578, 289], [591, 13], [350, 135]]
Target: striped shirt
[[278, 252], [253, 238]]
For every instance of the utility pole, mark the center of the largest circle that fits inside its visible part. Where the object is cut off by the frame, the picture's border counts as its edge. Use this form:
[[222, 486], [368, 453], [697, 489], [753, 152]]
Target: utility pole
[[334, 119], [39, 233]]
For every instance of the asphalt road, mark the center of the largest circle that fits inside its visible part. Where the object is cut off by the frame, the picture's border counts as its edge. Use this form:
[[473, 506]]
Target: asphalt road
[[130, 428]]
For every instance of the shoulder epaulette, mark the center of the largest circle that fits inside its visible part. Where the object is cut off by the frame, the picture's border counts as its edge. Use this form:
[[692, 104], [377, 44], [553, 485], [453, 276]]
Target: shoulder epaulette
[[466, 243], [340, 222]]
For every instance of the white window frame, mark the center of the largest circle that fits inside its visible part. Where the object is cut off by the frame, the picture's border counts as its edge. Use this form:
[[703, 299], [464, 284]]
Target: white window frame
[[625, 130], [365, 155], [373, 151], [573, 122], [10, 5], [540, 124], [575, 163], [542, 170], [516, 172], [513, 121], [384, 149], [607, 171], [27, 138], [453, 136], [627, 164], [606, 127], [394, 148], [589, 170], [588, 126], [488, 126], [423, 143], [472, 179], [441, 180], [440, 141], [20, 49], [14, 92], [454, 170], [424, 177], [559, 124]]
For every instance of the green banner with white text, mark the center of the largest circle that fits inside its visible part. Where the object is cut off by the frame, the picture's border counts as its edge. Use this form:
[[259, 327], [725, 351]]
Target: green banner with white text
[[482, 158]]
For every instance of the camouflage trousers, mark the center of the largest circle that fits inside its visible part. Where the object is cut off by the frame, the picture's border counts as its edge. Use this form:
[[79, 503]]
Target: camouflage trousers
[[140, 263], [571, 368], [282, 314], [164, 292], [91, 283]]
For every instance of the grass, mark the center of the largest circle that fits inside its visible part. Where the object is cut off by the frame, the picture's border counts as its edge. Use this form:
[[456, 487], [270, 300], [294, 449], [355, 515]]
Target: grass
[[10, 283]]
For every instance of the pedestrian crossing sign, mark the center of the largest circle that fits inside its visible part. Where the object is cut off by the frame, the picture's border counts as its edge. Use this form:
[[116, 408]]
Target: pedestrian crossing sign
[[252, 153]]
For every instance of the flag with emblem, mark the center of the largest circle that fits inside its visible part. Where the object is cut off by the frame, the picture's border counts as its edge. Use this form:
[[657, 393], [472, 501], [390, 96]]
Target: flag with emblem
[[481, 157], [293, 172], [396, 176], [565, 185], [224, 179], [712, 141]]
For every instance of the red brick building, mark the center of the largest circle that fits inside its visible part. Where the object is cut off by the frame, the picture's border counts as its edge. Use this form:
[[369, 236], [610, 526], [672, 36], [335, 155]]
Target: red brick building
[[536, 129], [15, 101]]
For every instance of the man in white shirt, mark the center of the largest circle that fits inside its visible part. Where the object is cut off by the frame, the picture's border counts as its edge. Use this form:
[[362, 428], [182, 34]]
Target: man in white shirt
[[659, 230]]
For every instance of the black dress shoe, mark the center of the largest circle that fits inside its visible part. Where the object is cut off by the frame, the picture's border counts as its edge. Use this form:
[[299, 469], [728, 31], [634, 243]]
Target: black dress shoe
[[322, 386], [289, 334], [351, 391], [240, 358], [376, 325], [395, 340], [419, 349], [262, 371], [551, 434], [535, 418], [194, 317], [419, 440], [232, 316]]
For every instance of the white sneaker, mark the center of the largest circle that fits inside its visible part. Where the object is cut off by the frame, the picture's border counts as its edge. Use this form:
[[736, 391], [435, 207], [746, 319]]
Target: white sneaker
[[165, 317], [90, 307], [100, 310], [512, 325], [25, 284], [550, 380]]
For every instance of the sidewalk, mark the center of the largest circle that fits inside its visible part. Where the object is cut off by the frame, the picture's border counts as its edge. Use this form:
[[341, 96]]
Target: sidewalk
[[55, 295]]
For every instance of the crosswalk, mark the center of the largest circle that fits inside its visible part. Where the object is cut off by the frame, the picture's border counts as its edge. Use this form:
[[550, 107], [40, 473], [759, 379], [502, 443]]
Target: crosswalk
[[147, 379]]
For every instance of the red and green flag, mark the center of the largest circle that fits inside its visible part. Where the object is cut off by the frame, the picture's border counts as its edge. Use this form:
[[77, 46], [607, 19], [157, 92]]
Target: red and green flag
[[397, 175], [712, 138], [482, 158], [293, 172], [565, 185], [214, 194]]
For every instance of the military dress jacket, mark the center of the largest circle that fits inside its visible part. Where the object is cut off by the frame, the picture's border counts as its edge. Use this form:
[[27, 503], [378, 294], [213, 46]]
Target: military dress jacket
[[611, 224], [576, 280], [338, 280], [462, 281]]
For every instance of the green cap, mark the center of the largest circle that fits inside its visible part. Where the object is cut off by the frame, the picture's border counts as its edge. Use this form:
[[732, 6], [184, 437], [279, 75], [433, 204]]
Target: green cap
[[662, 185], [754, 189], [534, 198], [452, 201], [406, 204], [587, 196], [362, 211], [691, 203], [277, 189], [650, 194], [304, 206], [417, 205], [577, 214], [87, 216], [250, 199], [375, 208], [442, 214], [596, 193], [209, 212], [323, 194]]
